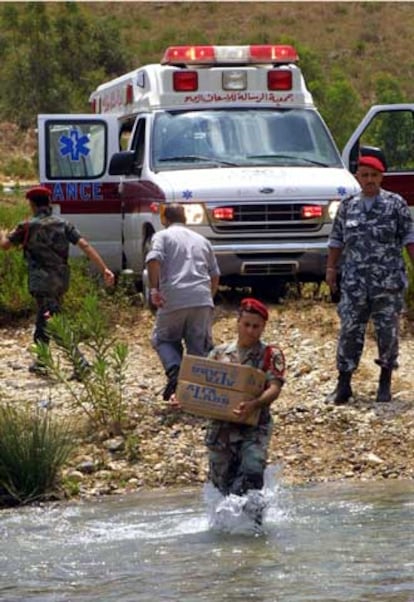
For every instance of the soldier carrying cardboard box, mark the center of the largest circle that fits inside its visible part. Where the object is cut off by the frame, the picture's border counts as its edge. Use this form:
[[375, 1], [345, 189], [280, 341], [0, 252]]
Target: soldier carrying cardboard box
[[238, 452]]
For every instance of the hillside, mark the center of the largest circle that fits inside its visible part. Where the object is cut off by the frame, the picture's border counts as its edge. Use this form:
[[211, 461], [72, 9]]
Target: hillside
[[358, 37], [350, 55]]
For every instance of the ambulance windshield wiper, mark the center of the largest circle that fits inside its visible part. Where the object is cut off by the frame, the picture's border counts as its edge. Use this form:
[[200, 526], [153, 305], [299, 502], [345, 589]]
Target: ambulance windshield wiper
[[291, 157], [197, 158]]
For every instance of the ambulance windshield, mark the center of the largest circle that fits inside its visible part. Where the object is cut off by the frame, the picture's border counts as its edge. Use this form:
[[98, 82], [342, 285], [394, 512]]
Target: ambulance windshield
[[248, 137]]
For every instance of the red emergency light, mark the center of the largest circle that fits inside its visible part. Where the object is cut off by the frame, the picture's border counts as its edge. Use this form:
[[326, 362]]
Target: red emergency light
[[185, 81], [223, 213], [188, 54], [311, 211], [129, 94], [96, 105], [279, 53], [216, 55], [279, 80]]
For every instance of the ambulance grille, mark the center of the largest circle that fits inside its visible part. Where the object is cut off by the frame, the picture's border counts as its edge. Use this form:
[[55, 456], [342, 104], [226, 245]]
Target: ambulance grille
[[271, 217]]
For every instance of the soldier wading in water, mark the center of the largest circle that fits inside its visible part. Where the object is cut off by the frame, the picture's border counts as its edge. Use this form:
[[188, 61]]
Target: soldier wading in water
[[238, 452]]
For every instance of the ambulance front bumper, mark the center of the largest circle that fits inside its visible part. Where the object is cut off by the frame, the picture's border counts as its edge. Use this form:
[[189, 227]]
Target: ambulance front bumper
[[305, 259]]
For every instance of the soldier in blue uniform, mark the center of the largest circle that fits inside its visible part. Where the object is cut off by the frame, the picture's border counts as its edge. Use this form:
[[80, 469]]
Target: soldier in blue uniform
[[238, 452], [369, 233], [45, 239]]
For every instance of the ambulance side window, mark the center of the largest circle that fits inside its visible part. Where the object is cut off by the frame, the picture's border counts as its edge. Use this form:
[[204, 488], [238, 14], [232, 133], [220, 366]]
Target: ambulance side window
[[138, 144], [393, 133], [75, 149]]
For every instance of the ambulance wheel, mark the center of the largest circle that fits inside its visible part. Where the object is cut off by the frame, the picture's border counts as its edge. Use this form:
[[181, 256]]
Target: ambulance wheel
[[269, 289]]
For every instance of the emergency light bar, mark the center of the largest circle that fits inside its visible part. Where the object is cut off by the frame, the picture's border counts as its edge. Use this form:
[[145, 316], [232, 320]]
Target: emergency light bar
[[215, 55]]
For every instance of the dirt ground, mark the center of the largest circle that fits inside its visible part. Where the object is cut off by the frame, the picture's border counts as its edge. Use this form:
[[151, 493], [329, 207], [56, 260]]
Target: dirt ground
[[312, 439]]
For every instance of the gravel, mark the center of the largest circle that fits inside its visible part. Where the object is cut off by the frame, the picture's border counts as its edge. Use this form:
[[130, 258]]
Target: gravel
[[160, 447]]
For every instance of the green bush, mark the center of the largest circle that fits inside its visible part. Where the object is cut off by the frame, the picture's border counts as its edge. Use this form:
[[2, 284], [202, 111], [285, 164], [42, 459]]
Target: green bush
[[101, 394], [15, 299], [18, 167], [33, 449]]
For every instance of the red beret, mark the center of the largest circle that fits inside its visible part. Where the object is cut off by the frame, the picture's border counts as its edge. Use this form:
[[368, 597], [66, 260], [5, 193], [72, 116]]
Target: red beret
[[370, 161], [38, 192], [254, 306]]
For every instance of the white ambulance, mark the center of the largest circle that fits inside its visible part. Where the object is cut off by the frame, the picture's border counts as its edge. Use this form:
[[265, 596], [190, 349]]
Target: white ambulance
[[229, 131]]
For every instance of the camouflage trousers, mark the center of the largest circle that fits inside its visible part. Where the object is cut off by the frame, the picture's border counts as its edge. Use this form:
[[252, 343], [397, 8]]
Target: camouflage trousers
[[237, 455], [354, 311], [46, 308]]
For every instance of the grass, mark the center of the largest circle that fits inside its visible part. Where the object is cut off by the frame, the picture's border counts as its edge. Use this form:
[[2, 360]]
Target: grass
[[33, 449]]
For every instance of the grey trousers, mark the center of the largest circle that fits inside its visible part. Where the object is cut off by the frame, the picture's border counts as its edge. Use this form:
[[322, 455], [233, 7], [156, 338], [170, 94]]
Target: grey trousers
[[190, 327]]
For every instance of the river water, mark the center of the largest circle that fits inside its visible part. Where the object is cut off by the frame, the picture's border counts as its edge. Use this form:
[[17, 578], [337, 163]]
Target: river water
[[340, 542]]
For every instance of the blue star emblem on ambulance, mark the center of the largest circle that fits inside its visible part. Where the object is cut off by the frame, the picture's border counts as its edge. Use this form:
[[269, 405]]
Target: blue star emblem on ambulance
[[187, 194], [74, 145]]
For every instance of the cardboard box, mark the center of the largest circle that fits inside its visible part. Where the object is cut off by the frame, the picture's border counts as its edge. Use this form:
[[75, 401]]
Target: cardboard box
[[213, 389], [236, 377]]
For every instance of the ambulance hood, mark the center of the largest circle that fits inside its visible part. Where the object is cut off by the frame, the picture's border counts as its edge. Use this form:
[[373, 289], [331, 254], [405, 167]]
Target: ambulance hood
[[256, 183]]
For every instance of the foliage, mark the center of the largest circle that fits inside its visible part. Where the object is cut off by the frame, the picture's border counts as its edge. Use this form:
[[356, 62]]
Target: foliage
[[341, 107], [12, 211], [15, 299], [18, 167], [101, 394], [14, 295], [54, 54], [43, 53], [33, 449]]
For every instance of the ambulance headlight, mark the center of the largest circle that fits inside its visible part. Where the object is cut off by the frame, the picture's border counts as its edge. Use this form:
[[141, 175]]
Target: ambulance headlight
[[333, 209], [194, 213]]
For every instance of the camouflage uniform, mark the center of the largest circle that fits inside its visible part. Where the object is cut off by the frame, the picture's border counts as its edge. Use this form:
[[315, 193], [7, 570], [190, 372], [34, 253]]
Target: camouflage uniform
[[45, 239], [238, 452], [372, 233]]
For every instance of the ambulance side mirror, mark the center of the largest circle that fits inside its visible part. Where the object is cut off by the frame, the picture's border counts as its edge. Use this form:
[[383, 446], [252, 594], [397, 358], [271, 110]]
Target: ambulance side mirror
[[122, 164]]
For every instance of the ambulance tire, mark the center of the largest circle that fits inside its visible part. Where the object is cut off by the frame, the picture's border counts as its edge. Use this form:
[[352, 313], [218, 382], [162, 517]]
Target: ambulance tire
[[269, 289]]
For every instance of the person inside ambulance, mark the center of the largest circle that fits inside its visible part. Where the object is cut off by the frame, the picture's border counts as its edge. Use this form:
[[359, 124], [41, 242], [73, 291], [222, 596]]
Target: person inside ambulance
[[184, 137]]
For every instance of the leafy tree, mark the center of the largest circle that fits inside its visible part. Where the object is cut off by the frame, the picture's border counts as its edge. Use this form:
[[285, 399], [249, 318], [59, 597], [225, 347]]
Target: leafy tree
[[52, 57], [28, 78], [341, 107], [388, 90], [392, 132]]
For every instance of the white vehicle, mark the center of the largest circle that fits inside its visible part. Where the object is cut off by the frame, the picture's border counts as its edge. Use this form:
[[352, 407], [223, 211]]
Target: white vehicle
[[229, 131], [387, 130]]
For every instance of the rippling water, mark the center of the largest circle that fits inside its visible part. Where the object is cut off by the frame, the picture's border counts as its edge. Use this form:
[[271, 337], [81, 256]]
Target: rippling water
[[340, 542]]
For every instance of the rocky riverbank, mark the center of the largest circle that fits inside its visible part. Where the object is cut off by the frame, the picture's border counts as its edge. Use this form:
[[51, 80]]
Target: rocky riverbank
[[312, 440]]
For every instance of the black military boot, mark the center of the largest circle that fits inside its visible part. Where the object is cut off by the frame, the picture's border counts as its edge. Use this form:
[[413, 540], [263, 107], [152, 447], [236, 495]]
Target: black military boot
[[343, 390], [172, 375], [384, 386]]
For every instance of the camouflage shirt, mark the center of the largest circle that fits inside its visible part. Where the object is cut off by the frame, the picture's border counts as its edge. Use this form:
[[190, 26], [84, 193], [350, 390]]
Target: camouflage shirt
[[45, 239], [268, 358], [372, 238]]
